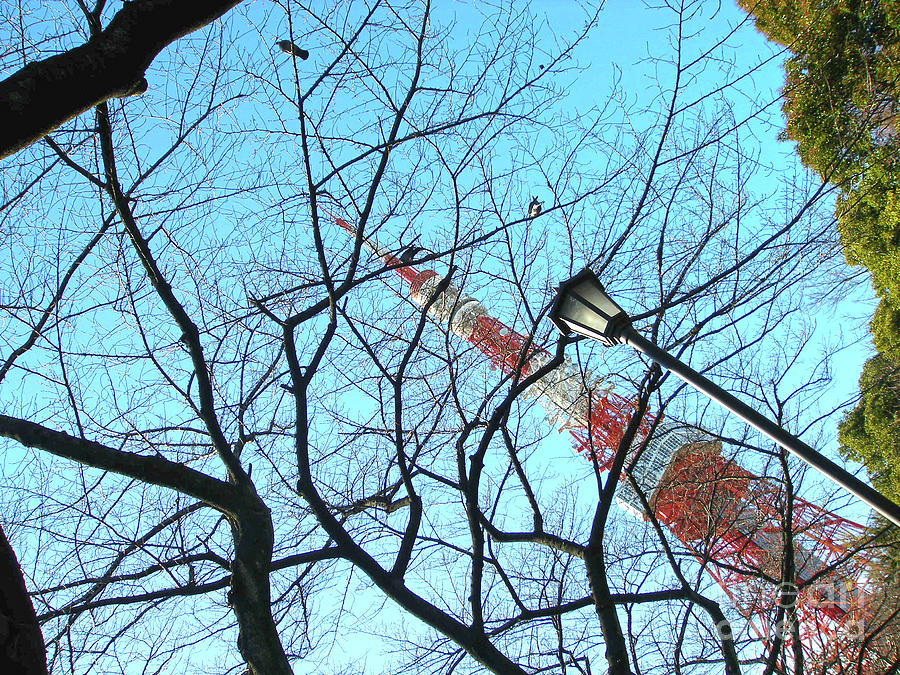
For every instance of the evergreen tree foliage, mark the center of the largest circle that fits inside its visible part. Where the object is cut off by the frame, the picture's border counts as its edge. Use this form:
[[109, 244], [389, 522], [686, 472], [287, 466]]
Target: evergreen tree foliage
[[841, 83], [868, 433], [842, 105]]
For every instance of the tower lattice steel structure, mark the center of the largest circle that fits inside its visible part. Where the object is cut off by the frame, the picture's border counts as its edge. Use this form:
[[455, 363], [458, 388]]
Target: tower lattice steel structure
[[730, 519]]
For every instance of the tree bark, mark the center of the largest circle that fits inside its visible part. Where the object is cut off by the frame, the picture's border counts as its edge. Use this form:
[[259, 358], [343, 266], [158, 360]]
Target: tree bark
[[250, 595], [45, 94], [21, 643], [616, 650], [595, 566]]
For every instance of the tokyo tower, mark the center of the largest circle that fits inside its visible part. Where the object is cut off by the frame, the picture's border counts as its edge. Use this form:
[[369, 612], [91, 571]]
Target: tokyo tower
[[728, 518]]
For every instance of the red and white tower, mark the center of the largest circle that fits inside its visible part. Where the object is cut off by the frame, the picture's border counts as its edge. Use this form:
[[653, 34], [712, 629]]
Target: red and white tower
[[730, 519]]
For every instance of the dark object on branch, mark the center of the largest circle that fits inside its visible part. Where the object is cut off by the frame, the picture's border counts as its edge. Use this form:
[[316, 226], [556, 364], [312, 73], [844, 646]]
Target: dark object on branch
[[410, 252], [289, 47], [534, 208]]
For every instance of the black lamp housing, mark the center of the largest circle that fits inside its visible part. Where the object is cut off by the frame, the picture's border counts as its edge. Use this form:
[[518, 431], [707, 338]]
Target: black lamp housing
[[583, 307]]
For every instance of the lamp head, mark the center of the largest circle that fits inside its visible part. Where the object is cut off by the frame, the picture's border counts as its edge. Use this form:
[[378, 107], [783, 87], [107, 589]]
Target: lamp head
[[583, 307]]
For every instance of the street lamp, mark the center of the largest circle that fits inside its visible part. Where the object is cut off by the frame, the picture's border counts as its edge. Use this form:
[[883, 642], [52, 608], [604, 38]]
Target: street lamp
[[583, 307]]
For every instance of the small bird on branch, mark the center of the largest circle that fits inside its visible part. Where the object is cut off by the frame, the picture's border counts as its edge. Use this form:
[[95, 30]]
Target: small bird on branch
[[410, 252], [534, 208], [289, 47]]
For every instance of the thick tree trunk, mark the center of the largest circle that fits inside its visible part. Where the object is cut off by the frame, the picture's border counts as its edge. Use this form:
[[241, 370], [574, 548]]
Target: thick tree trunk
[[250, 596], [45, 94], [21, 643]]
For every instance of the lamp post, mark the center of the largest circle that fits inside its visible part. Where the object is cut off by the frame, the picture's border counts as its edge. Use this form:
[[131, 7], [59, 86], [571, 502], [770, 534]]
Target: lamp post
[[583, 307]]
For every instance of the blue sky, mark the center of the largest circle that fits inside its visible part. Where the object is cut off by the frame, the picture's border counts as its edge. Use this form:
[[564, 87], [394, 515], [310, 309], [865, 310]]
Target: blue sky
[[617, 57], [242, 224]]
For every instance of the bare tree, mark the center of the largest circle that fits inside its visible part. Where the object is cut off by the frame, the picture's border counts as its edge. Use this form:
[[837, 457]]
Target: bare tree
[[232, 420]]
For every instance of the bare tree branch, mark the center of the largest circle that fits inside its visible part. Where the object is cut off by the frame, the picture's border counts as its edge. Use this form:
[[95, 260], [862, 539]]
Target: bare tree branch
[[45, 94]]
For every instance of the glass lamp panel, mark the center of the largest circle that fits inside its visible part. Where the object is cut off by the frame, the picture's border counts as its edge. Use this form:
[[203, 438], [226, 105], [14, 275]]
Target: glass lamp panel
[[580, 317], [593, 292]]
